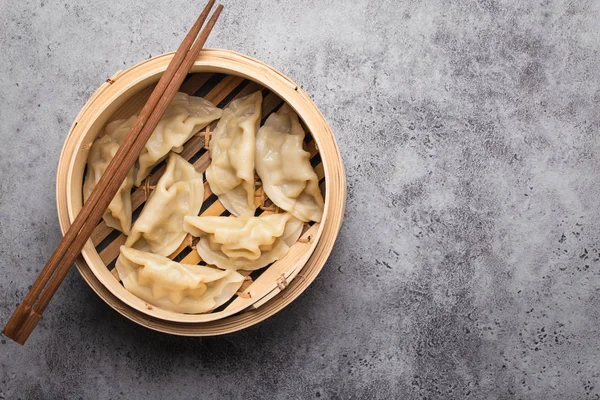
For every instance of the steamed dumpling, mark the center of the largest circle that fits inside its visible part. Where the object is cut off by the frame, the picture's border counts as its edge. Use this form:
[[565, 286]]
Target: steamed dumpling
[[173, 286], [179, 192], [284, 167], [183, 118], [245, 242], [118, 214], [232, 147]]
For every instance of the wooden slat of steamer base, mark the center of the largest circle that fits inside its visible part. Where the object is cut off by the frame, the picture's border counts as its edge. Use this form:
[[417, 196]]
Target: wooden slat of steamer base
[[194, 82], [193, 146]]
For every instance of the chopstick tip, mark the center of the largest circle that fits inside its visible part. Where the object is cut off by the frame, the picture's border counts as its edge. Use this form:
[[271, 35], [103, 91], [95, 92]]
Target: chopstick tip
[[217, 11]]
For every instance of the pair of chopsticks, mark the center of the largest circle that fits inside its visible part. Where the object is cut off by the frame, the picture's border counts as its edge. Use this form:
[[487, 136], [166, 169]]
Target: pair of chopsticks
[[26, 316]]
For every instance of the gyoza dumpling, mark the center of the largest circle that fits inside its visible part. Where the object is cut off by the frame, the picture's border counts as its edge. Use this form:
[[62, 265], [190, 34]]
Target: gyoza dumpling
[[173, 286], [231, 172], [284, 167], [118, 214], [179, 192], [183, 118], [245, 242]]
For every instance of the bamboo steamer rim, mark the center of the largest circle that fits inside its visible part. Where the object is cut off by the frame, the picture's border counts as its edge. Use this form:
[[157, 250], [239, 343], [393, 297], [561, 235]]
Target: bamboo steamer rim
[[231, 63]]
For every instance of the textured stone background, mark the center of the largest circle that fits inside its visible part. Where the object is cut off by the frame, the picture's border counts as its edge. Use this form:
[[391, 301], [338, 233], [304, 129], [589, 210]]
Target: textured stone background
[[468, 265]]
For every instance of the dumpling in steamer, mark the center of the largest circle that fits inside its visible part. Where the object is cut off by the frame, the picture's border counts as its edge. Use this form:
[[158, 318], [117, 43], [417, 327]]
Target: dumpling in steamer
[[246, 242], [232, 147], [118, 214], [183, 118], [284, 167], [179, 192], [172, 286]]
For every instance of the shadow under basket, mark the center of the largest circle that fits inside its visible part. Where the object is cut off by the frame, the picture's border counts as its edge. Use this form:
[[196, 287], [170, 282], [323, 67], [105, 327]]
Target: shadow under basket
[[219, 76]]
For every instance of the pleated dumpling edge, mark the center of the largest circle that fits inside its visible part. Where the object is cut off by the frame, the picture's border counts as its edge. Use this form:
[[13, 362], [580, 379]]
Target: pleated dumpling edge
[[184, 117], [284, 167], [172, 286], [118, 214], [244, 243], [232, 148], [179, 192]]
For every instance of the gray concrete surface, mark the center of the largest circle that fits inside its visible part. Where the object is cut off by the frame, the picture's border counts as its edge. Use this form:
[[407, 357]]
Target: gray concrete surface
[[468, 265]]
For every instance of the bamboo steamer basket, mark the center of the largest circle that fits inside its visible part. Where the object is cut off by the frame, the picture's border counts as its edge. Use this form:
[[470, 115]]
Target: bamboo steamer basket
[[219, 76]]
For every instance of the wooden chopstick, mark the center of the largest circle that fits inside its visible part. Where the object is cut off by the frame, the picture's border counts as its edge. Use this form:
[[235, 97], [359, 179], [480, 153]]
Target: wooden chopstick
[[28, 313]]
